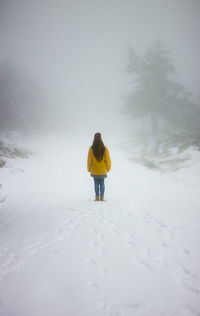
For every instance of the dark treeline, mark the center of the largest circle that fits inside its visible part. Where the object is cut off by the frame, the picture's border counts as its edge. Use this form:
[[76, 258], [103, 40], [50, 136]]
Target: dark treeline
[[20, 99], [156, 94]]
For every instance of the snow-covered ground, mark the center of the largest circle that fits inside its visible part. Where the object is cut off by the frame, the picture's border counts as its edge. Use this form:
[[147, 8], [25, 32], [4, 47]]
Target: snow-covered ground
[[62, 254]]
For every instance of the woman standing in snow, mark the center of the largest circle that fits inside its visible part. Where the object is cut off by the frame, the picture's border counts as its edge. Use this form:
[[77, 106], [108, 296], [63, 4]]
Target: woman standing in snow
[[98, 164]]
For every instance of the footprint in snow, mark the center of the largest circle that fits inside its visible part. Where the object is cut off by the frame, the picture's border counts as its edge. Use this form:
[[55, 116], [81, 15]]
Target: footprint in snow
[[93, 285], [102, 303], [3, 199], [131, 240], [92, 261], [102, 272], [190, 288], [145, 264]]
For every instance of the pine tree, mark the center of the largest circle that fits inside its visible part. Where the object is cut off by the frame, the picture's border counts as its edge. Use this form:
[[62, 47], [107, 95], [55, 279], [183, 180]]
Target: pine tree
[[19, 98], [156, 93]]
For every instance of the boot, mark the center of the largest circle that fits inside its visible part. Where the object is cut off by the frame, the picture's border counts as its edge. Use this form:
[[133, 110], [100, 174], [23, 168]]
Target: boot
[[97, 198], [101, 198]]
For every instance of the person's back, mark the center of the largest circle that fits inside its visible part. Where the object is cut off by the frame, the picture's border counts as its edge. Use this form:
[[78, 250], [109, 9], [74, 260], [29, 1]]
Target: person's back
[[98, 164]]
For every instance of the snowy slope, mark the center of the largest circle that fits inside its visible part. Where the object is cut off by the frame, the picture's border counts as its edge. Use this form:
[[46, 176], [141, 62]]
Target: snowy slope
[[63, 254]]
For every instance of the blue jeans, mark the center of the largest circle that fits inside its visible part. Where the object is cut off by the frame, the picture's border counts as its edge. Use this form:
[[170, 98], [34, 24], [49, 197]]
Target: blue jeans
[[99, 186]]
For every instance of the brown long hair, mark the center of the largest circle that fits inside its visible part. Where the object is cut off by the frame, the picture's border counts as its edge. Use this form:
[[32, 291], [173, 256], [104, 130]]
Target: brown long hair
[[98, 149]]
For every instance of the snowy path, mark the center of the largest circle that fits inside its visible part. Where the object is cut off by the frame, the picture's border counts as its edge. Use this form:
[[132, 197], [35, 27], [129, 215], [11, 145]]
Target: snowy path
[[63, 254]]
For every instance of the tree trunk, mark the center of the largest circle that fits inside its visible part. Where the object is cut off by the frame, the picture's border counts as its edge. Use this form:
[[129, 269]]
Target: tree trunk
[[155, 122], [143, 125]]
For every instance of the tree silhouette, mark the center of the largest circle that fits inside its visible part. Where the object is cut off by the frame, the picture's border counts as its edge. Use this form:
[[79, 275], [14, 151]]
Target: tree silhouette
[[19, 98], [156, 93]]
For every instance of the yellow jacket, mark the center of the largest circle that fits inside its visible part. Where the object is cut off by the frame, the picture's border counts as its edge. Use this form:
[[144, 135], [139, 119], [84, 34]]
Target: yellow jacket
[[96, 167]]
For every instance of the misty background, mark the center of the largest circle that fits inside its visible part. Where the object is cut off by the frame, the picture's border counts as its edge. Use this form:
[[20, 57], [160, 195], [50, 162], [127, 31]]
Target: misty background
[[128, 69], [66, 65]]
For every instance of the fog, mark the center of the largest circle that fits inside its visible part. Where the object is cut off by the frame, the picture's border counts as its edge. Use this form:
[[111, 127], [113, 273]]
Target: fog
[[76, 51], [69, 69]]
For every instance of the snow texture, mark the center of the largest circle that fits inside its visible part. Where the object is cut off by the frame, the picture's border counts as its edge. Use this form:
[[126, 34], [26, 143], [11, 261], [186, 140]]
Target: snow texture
[[62, 254]]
